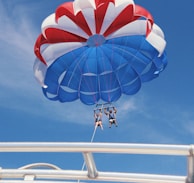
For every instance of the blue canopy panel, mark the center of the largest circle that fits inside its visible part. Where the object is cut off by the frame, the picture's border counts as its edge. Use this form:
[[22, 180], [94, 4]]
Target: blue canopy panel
[[104, 72]]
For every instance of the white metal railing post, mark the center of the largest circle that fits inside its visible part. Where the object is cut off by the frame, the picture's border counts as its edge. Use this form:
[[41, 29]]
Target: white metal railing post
[[190, 176], [29, 177], [90, 164]]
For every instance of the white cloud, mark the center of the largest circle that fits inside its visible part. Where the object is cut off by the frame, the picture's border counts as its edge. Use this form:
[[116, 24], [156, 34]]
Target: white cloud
[[129, 105], [189, 126], [16, 33], [186, 121], [17, 37]]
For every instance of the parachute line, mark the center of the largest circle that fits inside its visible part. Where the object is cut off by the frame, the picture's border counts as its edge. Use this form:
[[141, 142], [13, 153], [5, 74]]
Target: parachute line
[[93, 134]]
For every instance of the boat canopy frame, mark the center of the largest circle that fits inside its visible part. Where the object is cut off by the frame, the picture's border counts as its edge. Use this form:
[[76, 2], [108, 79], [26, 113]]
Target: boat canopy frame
[[49, 173]]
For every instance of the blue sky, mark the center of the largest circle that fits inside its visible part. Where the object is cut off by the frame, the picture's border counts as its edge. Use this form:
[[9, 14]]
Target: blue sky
[[162, 112]]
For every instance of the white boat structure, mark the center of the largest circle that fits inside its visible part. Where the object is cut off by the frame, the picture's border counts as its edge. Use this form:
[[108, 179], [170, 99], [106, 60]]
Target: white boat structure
[[49, 173]]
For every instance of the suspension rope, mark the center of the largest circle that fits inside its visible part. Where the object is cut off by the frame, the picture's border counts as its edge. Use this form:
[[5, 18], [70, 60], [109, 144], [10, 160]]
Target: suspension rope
[[92, 139]]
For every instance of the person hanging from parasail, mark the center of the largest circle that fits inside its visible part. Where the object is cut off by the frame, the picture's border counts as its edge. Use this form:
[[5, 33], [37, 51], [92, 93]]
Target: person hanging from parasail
[[111, 116], [98, 118]]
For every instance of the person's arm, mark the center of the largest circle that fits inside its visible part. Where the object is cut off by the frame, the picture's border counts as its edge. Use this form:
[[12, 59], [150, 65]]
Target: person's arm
[[115, 110], [105, 111], [95, 115]]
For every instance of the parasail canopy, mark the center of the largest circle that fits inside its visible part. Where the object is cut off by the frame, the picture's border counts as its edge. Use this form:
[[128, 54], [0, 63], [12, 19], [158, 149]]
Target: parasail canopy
[[98, 50]]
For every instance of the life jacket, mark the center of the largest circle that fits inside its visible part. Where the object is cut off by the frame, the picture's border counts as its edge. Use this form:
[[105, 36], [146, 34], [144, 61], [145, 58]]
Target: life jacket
[[111, 115]]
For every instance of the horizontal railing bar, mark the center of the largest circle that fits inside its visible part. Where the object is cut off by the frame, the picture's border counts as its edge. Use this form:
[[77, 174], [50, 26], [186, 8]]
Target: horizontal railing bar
[[44, 174], [160, 149], [82, 175], [37, 181], [140, 178]]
